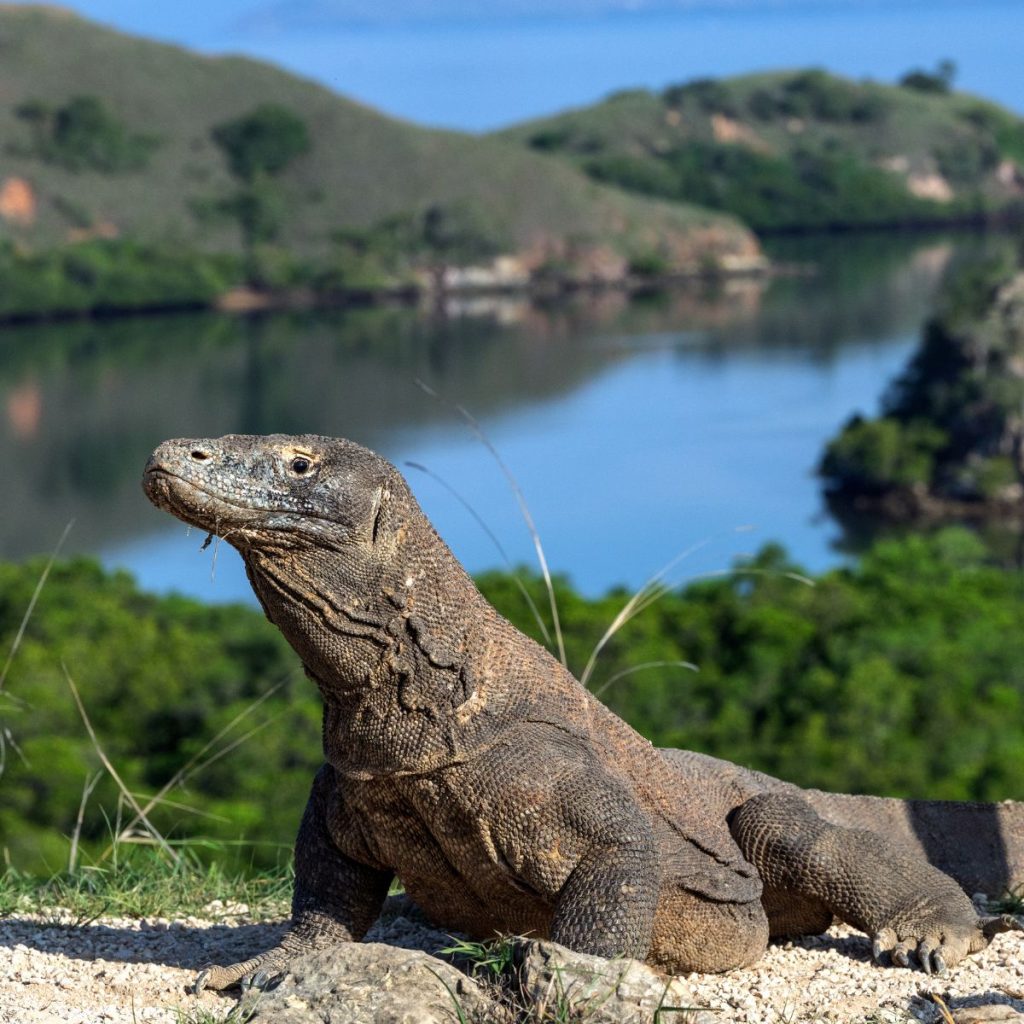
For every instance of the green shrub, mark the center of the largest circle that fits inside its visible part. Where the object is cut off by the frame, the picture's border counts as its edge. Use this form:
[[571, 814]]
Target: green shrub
[[104, 275], [815, 188], [875, 456], [84, 134]]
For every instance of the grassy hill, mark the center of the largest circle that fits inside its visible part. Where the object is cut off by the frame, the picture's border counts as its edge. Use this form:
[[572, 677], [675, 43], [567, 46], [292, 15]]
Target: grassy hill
[[795, 150], [104, 135]]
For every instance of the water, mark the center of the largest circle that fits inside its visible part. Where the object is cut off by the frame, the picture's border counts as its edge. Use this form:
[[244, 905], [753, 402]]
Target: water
[[635, 429]]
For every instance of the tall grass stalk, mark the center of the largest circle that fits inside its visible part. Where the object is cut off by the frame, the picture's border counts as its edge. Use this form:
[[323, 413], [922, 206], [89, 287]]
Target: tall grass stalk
[[524, 511], [6, 736]]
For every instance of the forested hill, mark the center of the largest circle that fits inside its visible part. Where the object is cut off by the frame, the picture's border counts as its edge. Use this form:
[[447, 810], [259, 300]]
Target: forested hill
[[104, 135], [797, 150]]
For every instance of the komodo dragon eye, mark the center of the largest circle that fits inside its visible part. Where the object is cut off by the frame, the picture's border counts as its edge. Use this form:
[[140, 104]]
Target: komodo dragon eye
[[300, 465]]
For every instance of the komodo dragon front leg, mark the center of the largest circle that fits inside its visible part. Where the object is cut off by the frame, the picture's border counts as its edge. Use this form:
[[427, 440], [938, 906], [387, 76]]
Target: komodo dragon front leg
[[335, 898], [865, 879]]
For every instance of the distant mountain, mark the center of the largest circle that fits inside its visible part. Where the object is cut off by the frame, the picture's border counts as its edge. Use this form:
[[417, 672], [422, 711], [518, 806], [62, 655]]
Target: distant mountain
[[304, 14], [106, 135], [796, 150]]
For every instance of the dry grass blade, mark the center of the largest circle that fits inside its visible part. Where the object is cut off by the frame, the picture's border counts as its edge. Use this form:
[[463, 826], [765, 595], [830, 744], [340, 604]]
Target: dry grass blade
[[641, 667], [126, 793], [650, 592], [90, 785], [196, 763], [497, 543], [943, 1008], [32, 604], [524, 511], [7, 740], [787, 574]]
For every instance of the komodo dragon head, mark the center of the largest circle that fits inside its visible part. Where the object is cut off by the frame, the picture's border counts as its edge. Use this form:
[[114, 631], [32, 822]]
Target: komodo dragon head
[[280, 492]]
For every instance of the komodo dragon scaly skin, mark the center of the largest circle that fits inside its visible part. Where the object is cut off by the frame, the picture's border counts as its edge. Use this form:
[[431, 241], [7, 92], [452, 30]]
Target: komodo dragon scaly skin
[[463, 758]]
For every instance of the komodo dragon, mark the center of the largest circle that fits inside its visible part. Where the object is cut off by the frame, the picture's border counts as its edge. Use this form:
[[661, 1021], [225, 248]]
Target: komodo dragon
[[463, 758]]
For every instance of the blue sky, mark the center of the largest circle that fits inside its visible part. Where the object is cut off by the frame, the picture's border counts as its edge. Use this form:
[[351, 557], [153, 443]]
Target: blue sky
[[479, 64]]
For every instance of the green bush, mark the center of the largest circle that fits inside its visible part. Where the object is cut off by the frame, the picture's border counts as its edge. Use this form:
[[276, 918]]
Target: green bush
[[84, 134], [709, 94], [817, 95], [107, 275], [263, 142], [876, 456], [939, 81], [815, 188]]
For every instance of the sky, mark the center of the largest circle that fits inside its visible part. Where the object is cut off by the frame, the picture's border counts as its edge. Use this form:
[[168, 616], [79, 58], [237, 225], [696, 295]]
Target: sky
[[480, 64]]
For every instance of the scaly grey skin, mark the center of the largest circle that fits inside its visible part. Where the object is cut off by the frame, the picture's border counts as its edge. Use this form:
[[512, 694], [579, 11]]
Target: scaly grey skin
[[461, 757]]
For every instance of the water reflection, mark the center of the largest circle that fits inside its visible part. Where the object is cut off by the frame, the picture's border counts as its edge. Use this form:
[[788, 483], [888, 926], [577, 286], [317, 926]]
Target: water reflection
[[634, 426]]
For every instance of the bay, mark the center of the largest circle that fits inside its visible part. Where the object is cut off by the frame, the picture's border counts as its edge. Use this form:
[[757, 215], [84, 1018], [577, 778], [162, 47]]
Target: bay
[[688, 418]]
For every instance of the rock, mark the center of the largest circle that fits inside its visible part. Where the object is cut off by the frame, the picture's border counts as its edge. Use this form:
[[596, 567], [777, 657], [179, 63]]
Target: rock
[[602, 991], [988, 1013], [371, 983]]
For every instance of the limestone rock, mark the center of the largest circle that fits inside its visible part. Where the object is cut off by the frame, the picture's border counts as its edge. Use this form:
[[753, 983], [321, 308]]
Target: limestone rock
[[603, 991], [988, 1013], [372, 983]]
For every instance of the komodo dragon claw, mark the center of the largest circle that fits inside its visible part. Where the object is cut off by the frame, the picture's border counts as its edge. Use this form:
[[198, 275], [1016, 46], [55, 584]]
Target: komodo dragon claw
[[936, 952], [260, 979]]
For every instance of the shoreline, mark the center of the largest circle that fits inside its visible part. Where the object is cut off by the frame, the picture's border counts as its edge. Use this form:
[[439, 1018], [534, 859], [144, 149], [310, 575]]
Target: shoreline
[[245, 300]]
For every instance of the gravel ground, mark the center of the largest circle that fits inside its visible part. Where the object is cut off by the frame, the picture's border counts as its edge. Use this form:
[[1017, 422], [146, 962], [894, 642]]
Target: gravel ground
[[129, 971]]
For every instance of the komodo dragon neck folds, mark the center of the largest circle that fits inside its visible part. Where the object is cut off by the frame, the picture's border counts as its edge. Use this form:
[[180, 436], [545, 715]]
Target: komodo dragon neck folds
[[463, 758]]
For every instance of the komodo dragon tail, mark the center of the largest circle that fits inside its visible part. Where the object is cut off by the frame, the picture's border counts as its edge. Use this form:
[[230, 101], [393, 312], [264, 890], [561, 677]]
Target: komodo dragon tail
[[980, 845]]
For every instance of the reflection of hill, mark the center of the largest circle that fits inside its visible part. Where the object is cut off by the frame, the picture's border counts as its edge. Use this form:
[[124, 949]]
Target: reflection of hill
[[84, 403]]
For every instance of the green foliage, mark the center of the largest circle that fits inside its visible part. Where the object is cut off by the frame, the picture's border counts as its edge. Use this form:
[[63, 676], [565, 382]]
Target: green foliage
[[950, 418], [84, 134], [103, 275], [710, 94], [815, 94], [263, 142], [258, 148], [143, 883], [939, 81], [160, 678], [495, 957], [875, 456], [386, 252], [801, 150], [649, 263], [811, 189]]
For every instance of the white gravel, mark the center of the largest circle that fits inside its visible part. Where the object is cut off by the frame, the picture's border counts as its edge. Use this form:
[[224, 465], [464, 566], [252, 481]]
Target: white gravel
[[128, 971]]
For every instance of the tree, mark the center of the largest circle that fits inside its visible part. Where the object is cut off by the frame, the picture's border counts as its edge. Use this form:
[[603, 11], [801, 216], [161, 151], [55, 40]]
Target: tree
[[263, 142], [938, 81], [258, 148]]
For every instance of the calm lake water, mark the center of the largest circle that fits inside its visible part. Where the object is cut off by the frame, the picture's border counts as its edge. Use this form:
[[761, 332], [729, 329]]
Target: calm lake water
[[636, 430]]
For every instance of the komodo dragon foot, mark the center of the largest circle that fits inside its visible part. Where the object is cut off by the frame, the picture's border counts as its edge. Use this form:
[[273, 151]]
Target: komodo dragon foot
[[906, 906], [261, 972], [936, 940]]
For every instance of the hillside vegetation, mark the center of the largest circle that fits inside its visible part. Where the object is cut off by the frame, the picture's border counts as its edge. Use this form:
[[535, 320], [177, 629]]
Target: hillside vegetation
[[800, 150], [109, 137], [903, 675], [950, 437]]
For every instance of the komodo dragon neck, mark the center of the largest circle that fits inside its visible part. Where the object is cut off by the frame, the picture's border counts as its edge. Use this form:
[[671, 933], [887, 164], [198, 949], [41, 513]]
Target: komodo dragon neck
[[401, 687]]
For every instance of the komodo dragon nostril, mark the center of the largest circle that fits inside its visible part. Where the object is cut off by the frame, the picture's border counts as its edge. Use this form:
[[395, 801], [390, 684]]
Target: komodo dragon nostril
[[199, 455]]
